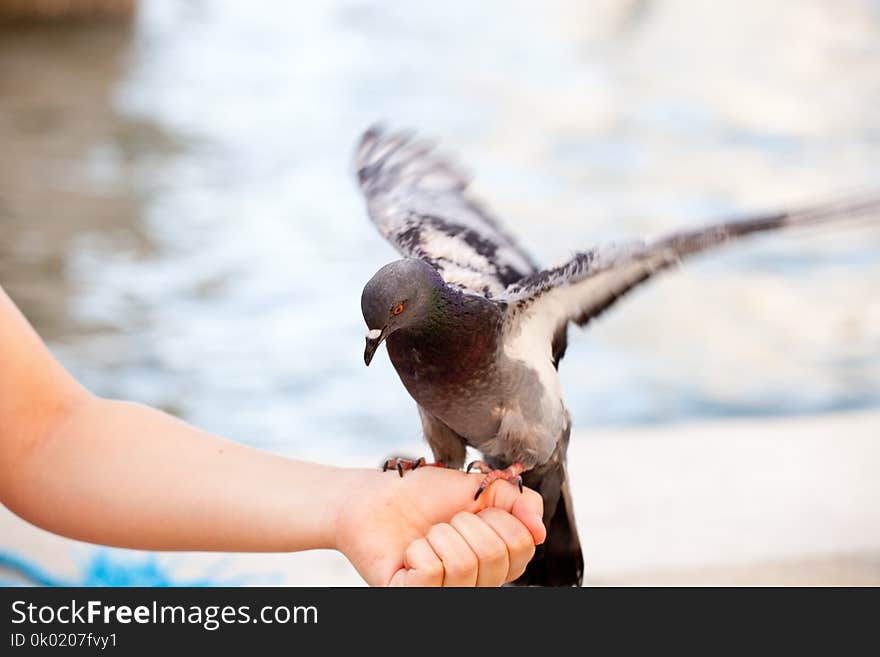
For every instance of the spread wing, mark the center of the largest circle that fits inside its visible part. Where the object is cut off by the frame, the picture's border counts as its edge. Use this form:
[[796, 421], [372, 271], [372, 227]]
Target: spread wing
[[419, 201], [592, 281]]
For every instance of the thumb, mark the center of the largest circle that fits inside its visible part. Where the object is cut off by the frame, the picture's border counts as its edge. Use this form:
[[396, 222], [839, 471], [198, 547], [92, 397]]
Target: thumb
[[527, 507]]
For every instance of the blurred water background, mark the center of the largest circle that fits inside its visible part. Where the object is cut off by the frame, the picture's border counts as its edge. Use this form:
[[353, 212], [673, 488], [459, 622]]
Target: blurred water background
[[179, 220]]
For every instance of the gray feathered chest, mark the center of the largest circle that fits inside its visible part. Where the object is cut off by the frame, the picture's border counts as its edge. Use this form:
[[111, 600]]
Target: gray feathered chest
[[451, 368]]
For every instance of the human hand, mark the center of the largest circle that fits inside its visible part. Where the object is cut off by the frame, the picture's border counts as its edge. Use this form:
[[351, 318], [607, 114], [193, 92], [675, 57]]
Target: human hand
[[425, 529]]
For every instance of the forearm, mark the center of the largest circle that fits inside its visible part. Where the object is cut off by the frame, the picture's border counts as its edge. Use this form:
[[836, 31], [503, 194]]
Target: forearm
[[122, 474]]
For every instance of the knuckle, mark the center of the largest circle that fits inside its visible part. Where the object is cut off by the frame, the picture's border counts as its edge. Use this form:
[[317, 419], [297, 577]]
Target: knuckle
[[461, 566], [523, 544], [534, 498], [434, 570], [516, 572], [495, 555], [439, 531]]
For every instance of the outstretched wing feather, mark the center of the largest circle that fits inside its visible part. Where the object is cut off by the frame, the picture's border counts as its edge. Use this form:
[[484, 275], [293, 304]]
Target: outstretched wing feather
[[419, 201]]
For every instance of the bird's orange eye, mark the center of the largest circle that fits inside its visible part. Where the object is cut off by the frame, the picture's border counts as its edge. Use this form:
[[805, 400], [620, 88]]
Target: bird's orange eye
[[397, 309]]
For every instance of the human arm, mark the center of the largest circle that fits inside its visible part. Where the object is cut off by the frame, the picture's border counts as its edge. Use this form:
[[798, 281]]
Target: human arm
[[123, 474]]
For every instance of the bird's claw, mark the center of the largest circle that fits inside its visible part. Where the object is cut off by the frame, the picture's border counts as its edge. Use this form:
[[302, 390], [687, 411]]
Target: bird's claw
[[405, 465], [511, 474]]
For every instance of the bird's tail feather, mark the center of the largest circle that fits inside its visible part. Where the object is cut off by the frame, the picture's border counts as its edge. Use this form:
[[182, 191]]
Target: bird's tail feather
[[559, 561]]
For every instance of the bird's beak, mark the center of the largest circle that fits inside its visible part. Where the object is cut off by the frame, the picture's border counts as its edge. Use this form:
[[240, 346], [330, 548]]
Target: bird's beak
[[374, 339]]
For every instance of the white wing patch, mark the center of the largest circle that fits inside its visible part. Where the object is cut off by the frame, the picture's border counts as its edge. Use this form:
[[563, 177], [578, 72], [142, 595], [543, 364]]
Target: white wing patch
[[469, 280], [530, 342], [443, 246]]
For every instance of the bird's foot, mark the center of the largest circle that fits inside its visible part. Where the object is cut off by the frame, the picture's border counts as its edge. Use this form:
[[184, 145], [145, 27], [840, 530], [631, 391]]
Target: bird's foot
[[511, 474], [405, 465]]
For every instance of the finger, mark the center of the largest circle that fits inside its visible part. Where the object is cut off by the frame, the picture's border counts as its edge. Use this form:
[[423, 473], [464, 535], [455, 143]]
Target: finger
[[516, 536], [527, 507], [492, 558], [423, 566], [459, 561]]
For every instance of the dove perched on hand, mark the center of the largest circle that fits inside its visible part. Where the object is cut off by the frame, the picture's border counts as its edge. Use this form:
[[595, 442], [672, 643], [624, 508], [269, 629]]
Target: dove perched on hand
[[476, 330]]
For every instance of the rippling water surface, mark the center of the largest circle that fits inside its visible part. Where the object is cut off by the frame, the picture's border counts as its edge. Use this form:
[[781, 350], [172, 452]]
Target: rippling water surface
[[179, 220]]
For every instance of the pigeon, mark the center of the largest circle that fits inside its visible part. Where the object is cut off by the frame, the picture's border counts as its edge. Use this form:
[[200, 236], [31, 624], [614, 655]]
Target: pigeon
[[476, 330]]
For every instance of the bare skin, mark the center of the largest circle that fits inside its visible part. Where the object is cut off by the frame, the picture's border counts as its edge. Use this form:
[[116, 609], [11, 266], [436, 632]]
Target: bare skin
[[122, 474]]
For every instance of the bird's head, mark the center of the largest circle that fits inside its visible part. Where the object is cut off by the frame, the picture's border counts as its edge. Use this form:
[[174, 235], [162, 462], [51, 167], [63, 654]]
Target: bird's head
[[398, 296]]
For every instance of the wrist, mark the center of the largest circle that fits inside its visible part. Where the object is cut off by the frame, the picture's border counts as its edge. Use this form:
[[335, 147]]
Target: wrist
[[354, 489]]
